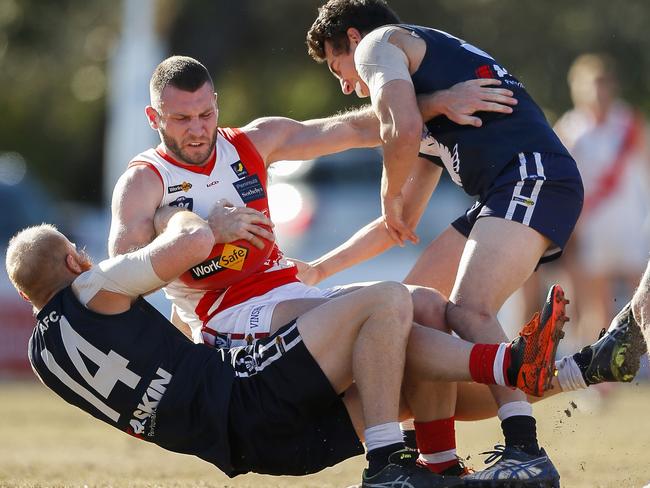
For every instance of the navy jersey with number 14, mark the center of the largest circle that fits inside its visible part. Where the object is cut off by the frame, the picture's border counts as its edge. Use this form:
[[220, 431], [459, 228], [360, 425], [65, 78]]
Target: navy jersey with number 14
[[136, 372]]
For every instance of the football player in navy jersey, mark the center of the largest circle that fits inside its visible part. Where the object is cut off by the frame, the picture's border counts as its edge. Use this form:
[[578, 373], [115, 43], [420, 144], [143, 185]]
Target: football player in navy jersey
[[274, 407], [529, 191]]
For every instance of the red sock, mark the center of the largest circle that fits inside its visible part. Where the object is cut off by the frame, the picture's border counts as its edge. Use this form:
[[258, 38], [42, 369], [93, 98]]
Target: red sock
[[437, 444], [488, 363]]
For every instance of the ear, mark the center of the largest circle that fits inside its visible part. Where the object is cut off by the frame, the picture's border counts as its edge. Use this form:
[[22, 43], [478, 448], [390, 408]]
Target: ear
[[152, 116], [24, 297], [354, 36], [72, 264]]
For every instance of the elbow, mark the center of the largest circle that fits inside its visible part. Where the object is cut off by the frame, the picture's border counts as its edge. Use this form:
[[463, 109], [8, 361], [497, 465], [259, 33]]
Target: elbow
[[199, 242], [409, 131]]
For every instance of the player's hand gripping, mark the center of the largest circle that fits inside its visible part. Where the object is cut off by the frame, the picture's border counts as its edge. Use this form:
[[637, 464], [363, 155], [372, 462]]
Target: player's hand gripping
[[464, 99], [230, 223], [392, 208]]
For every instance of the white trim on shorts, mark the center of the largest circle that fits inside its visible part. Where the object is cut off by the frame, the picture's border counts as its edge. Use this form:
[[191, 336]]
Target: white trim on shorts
[[252, 319]]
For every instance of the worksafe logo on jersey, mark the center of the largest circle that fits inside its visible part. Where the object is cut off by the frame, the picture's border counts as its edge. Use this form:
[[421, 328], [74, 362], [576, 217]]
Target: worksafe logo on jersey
[[143, 420], [239, 169], [250, 188], [232, 257], [185, 186], [184, 202]]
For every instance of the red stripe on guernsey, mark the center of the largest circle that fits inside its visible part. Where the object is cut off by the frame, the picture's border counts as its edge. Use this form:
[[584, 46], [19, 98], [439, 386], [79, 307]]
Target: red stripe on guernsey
[[205, 169], [481, 363], [148, 165], [255, 285], [611, 179], [261, 281]]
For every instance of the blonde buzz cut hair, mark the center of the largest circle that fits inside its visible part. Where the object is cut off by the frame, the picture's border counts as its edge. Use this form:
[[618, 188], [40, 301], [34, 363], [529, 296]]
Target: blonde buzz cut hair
[[35, 261]]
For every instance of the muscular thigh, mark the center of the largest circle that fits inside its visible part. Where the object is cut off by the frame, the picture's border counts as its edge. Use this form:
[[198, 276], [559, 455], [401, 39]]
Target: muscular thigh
[[436, 267], [524, 218], [498, 258], [287, 310]]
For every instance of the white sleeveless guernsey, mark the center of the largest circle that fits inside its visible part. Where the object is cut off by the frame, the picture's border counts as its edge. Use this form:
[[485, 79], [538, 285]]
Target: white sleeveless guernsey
[[237, 173]]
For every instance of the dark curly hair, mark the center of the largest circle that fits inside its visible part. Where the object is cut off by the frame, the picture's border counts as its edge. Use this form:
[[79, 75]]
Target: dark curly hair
[[335, 18]]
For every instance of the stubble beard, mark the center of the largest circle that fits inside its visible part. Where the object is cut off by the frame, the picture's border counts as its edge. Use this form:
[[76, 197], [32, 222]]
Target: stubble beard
[[197, 160]]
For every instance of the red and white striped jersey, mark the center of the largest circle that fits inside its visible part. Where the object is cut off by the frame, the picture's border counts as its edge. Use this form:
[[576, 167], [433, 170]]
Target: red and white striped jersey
[[237, 173]]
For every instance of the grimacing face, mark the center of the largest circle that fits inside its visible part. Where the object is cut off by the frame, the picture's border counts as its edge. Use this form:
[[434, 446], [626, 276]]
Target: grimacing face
[[187, 123], [341, 65]]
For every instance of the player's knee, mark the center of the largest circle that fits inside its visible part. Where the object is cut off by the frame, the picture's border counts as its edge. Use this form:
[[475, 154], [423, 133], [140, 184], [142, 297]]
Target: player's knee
[[395, 299], [429, 306]]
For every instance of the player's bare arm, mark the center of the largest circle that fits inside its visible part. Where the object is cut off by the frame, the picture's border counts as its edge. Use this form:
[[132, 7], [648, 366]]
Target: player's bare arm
[[401, 130], [185, 239], [280, 138], [136, 197], [373, 239]]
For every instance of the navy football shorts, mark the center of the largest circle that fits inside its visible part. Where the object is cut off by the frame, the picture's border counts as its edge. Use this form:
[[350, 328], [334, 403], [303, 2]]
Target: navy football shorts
[[285, 418], [541, 190]]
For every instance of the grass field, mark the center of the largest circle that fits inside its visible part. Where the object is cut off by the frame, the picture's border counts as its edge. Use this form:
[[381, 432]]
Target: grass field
[[45, 443]]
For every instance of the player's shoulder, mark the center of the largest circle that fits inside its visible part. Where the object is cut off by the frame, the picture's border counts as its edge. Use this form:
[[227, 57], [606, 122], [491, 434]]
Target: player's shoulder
[[139, 182]]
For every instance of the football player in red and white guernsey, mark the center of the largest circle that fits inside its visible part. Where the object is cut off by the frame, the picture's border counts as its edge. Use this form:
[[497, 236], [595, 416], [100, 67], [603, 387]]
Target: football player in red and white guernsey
[[199, 164]]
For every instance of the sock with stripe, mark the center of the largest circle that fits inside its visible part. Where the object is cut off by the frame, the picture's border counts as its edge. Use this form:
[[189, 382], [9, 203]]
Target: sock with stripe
[[437, 445], [489, 364]]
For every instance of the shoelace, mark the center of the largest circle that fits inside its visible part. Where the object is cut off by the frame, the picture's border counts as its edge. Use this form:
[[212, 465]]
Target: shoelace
[[495, 455], [465, 469]]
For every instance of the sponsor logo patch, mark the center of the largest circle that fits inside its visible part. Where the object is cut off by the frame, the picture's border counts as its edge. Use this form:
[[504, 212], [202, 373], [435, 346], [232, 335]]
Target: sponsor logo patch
[[143, 420], [250, 188], [222, 341], [185, 186], [485, 71], [254, 321], [232, 257], [523, 200], [239, 169], [184, 202]]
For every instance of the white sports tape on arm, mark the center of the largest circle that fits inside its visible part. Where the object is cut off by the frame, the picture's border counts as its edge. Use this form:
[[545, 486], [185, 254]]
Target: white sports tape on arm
[[130, 274], [378, 61]]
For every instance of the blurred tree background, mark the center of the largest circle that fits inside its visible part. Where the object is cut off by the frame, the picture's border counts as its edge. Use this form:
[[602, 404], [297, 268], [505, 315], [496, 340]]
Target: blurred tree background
[[54, 59]]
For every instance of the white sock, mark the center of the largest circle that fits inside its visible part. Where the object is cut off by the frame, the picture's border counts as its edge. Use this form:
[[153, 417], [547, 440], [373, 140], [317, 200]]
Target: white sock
[[515, 408], [569, 375], [383, 435], [407, 424]]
